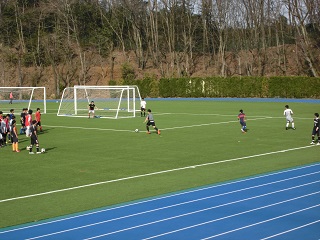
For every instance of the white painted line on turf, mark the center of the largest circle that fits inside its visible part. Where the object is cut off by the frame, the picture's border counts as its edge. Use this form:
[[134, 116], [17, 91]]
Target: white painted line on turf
[[180, 204], [172, 128], [177, 194], [209, 124], [154, 173], [291, 230], [215, 220], [88, 128]]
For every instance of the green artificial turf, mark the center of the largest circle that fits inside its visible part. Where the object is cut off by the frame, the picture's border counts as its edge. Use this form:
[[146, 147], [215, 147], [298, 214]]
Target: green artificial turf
[[92, 163]]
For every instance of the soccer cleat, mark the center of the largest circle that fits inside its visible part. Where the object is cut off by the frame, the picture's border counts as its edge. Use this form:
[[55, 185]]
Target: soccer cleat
[[159, 132], [31, 152], [286, 128], [312, 143], [38, 152], [294, 128], [148, 132], [318, 144], [18, 151]]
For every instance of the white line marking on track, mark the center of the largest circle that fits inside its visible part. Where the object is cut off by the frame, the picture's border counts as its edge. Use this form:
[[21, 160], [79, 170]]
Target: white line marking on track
[[165, 197], [290, 230], [215, 220], [154, 173], [174, 205], [258, 223]]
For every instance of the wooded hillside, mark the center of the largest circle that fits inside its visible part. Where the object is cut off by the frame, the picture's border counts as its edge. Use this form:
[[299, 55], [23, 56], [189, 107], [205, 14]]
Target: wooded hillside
[[65, 42]]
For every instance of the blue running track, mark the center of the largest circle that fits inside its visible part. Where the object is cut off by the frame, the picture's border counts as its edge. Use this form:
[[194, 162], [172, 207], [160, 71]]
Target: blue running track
[[280, 205]]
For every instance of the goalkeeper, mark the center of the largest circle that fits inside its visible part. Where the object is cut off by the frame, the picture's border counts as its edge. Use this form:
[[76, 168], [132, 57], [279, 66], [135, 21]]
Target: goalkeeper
[[150, 122], [91, 108]]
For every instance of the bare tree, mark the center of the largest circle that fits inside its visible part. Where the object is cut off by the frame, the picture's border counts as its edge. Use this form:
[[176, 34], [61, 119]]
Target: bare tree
[[301, 13]]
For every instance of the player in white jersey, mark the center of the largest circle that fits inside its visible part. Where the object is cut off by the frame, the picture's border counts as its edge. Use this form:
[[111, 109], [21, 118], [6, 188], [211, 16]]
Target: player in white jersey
[[143, 105], [288, 113]]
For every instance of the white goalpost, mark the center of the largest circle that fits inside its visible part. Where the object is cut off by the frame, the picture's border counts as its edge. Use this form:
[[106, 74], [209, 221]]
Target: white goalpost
[[110, 101], [23, 97]]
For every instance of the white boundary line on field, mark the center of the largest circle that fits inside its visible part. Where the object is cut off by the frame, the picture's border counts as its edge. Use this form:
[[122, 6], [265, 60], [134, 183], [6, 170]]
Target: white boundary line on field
[[153, 173], [172, 128]]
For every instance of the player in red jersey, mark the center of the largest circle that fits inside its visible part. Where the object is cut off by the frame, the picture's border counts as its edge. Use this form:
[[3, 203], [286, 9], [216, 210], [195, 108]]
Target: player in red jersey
[[242, 121], [28, 123], [38, 118]]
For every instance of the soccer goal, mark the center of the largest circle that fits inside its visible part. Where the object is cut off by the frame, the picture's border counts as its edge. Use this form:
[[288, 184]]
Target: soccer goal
[[23, 97], [110, 101]]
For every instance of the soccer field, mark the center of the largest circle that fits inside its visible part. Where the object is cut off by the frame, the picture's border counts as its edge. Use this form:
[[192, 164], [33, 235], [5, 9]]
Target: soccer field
[[92, 163]]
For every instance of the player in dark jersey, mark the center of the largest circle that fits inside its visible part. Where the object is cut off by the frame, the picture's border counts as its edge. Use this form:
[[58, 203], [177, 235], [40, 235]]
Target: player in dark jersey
[[242, 121], [14, 137], [150, 122], [34, 137], [91, 108], [315, 130], [23, 120]]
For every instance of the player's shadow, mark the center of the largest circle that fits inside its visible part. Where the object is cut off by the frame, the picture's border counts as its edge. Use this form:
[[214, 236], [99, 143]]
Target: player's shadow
[[50, 149], [46, 130]]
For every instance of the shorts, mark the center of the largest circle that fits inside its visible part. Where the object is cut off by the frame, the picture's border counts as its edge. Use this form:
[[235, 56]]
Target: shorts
[[39, 124], [91, 111], [143, 109], [28, 133], [243, 124], [34, 141], [289, 119], [14, 138], [151, 123], [314, 132]]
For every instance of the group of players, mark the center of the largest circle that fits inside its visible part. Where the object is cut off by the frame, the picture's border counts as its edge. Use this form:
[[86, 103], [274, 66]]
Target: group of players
[[29, 127], [289, 120]]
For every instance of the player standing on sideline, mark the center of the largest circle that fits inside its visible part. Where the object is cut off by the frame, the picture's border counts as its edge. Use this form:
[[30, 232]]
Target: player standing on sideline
[[5, 128], [34, 137], [28, 123], [11, 98], [11, 118], [242, 121], [316, 130], [143, 105], [91, 108], [288, 113], [150, 122], [23, 120], [38, 118], [14, 137]]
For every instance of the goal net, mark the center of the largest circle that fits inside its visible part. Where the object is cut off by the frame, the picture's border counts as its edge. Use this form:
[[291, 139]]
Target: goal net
[[110, 101], [23, 97]]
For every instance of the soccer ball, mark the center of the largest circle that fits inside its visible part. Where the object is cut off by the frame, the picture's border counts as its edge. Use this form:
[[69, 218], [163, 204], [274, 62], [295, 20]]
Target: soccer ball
[[137, 130], [43, 150]]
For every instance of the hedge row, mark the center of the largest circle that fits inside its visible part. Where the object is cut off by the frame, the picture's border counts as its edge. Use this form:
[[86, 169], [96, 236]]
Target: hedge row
[[262, 87]]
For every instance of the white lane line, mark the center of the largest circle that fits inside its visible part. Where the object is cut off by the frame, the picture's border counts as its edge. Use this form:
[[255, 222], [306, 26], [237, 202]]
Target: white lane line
[[206, 209], [261, 222], [171, 196], [171, 206], [291, 230]]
